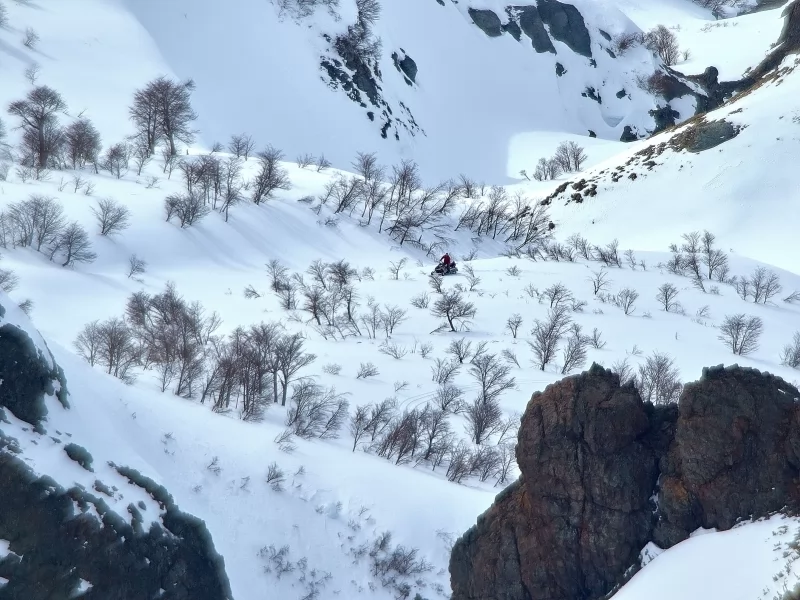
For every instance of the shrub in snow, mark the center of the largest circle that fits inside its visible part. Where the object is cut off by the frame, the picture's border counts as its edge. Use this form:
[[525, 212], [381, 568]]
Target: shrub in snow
[[790, 357], [741, 333]]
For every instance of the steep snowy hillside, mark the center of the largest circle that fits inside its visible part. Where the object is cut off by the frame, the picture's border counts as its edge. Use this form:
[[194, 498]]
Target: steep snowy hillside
[[734, 167], [282, 361], [452, 86]]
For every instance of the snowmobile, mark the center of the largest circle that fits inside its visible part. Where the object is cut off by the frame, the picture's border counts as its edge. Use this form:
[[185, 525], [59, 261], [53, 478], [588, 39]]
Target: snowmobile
[[443, 270]]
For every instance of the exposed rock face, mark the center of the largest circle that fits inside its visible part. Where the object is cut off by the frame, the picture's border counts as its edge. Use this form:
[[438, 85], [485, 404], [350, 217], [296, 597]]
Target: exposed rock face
[[581, 512], [566, 25], [488, 22], [703, 135], [736, 453], [532, 25], [591, 454], [59, 536]]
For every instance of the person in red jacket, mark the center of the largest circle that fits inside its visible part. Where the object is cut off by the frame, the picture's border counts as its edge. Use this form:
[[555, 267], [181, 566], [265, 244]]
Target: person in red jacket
[[445, 261]]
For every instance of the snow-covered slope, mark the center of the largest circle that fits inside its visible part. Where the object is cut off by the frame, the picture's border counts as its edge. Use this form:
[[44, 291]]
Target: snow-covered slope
[[489, 106], [259, 70], [745, 186]]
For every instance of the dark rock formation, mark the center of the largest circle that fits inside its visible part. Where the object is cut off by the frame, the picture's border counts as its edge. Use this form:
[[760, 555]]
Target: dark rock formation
[[56, 539], [788, 42], [703, 135], [736, 453], [591, 453], [531, 24], [487, 21], [665, 116], [566, 25], [581, 512], [405, 65], [628, 134], [27, 376]]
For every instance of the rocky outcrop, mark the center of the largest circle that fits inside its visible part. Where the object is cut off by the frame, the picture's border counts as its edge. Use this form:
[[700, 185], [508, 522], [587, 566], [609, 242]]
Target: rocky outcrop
[[702, 135], [736, 453], [487, 21], [566, 25], [788, 42], [60, 539], [532, 25], [603, 474]]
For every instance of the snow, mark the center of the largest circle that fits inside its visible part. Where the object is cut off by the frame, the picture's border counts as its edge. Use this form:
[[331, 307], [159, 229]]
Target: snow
[[490, 108], [757, 560]]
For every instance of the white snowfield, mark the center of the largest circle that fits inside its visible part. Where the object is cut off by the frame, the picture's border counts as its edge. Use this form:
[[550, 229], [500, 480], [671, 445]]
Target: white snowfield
[[489, 107]]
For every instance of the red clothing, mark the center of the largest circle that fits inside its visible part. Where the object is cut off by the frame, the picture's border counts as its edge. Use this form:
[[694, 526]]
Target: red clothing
[[446, 259]]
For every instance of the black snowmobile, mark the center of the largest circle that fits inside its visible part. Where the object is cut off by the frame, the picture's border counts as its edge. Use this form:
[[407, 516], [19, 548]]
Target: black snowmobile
[[443, 270]]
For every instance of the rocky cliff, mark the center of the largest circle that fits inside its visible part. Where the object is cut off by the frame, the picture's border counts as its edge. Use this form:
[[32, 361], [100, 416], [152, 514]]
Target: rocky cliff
[[603, 474], [94, 541]]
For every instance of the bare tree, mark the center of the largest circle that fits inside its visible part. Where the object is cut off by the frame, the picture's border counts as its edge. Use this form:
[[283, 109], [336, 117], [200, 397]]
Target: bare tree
[[271, 175], [790, 357], [109, 344], [232, 185], [395, 268], [241, 146], [141, 155], [626, 299], [31, 38], [506, 461], [599, 281], [513, 323], [662, 42], [37, 221], [659, 380], [116, 158], [484, 419], [322, 163], [448, 398], [136, 266], [547, 335], [741, 333], [188, 208], [39, 123], [291, 357], [3, 16], [444, 371], [82, 143], [452, 307], [460, 349], [359, 421], [714, 259], [112, 217], [316, 412], [764, 285], [577, 156], [557, 294], [74, 246], [162, 110], [666, 297], [492, 376], [574, 355]]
